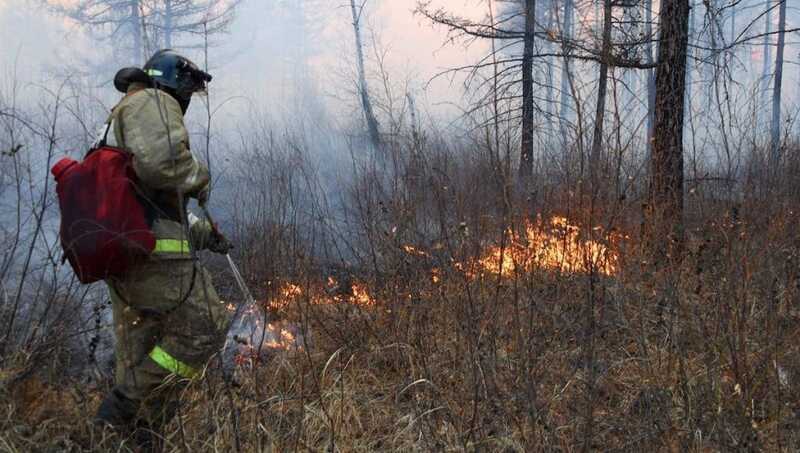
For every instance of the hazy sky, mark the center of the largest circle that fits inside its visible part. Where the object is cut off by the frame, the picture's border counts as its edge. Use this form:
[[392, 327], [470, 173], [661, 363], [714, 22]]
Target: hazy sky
[[256, 63], [250, 61]]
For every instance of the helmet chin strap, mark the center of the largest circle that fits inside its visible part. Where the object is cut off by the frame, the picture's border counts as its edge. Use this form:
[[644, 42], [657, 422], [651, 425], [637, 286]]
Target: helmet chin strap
[[182, 101]]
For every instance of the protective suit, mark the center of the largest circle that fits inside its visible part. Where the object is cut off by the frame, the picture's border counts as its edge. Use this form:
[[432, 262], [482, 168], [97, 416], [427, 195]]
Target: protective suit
[[168, 319]]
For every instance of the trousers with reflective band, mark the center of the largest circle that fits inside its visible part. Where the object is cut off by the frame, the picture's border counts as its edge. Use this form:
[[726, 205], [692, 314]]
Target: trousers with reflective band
[[171, 364], [171, 246]]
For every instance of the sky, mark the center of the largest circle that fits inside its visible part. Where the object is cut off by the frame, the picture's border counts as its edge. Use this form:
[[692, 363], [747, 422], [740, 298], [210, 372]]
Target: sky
[[256, 65], [251, 60]]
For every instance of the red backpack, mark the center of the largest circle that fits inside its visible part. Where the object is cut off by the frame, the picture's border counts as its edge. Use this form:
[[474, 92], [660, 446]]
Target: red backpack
[[104, 226]]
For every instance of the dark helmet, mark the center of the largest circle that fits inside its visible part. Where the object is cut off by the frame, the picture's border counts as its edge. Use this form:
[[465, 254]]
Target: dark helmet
[[177, 75], [126, 76]]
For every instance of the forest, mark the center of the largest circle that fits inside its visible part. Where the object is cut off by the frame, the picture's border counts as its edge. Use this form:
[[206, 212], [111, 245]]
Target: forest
[[457, 225]]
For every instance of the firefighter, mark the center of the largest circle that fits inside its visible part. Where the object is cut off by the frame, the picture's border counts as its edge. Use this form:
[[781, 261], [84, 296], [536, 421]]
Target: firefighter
[[168, 319]]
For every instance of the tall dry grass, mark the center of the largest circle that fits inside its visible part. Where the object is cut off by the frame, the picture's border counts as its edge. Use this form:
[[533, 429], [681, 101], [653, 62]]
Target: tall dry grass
[[698, 355]]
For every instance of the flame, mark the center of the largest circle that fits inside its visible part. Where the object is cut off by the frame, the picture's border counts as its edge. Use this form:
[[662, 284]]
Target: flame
[[291, 292], [275, 337], [557, 245], [361, 296], [280, 339], [411, 250], [249, 332]]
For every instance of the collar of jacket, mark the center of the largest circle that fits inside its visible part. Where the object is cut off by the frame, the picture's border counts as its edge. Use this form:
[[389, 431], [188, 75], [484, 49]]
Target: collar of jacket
[[135, 87]]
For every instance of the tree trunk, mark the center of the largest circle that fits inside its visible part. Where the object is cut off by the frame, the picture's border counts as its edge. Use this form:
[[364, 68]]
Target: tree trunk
[[569, 12], [649, 73], [363, 91], [767, 55], [776, 91], [168, 24], [665, 208], [602, 89], [689, 75], [137, 53], [631, 30], [526, 153], [765, 74], [550, 105]]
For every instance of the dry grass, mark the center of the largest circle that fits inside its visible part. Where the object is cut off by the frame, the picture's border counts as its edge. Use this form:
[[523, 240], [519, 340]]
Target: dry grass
[[700, 355], [702, 358]]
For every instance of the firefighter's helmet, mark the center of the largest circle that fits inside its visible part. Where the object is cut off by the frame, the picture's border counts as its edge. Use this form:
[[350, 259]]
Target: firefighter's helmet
[[176, 74]]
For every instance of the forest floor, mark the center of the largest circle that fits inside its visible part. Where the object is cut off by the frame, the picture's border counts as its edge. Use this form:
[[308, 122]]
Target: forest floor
[[701, 356]]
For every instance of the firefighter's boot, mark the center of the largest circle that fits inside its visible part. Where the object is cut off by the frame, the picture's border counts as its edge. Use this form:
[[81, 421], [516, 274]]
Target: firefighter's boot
[[116, 411]]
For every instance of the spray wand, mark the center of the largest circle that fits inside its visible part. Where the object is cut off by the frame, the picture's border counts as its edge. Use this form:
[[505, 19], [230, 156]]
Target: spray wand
[[237, 275]]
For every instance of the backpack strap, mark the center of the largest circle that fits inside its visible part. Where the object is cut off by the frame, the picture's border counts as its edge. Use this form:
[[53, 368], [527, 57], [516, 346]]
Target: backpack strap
[[104, 141]]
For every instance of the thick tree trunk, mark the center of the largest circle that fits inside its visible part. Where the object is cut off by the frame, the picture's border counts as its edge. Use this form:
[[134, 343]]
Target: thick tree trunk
[[776, 90], [526, 153], [564, 114], [602, 89], [665, 208], [363, 91]]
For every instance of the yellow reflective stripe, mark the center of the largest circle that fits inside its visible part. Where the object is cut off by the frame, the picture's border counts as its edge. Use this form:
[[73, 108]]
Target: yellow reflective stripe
[[169, 363], [171, 246]]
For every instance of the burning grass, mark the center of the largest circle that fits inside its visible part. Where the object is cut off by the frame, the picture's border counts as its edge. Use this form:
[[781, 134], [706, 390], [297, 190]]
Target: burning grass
[[558, 245], [551, 354]]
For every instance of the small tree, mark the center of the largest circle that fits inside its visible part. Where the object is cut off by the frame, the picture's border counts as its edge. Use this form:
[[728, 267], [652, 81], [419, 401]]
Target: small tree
[[363, 91], [778, 84], [526, 150]]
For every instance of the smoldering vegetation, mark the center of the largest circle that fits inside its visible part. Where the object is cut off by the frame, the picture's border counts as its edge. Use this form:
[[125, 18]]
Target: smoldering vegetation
[[418, 294]]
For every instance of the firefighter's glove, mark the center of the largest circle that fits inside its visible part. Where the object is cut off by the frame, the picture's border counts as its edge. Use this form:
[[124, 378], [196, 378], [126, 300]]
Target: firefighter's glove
[[218, 243], [202, 195]]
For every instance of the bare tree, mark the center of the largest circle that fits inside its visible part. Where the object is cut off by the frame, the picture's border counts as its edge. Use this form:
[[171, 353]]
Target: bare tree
[[649, 73], [569, 15], [140, 27], [526, 151], [765, 74], [665, 209], [516, 89], [119, 21], [168, 20], [602, 88], [373, 127], [776, 90]]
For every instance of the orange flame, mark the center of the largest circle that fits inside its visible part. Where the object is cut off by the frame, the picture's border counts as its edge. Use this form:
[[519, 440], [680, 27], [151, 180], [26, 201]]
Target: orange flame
[[556, 246]]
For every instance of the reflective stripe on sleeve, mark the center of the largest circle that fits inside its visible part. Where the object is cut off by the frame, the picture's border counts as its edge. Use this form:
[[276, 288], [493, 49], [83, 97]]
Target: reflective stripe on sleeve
[[171, 246], [171, 364]]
